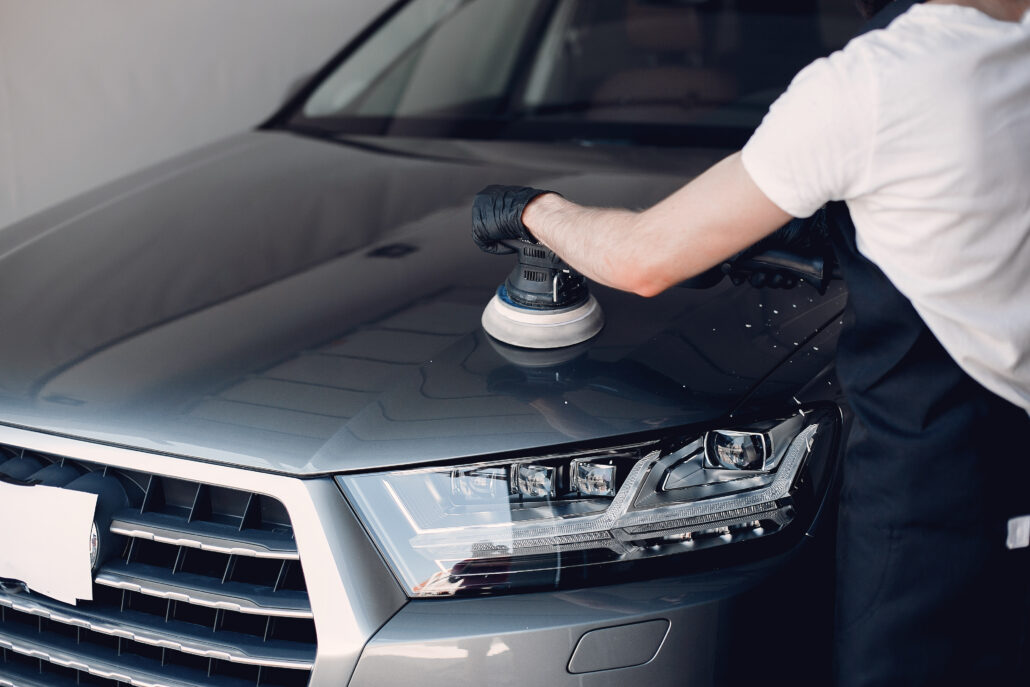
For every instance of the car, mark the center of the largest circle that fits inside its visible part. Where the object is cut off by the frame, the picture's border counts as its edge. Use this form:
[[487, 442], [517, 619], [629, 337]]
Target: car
[[253, 433]]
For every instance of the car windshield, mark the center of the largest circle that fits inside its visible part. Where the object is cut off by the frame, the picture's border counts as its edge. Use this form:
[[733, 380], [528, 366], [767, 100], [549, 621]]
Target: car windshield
[[654, 71]]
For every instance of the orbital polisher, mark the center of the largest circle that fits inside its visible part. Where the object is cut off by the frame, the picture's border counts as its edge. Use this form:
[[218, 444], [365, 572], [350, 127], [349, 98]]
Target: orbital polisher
[[543, 303]]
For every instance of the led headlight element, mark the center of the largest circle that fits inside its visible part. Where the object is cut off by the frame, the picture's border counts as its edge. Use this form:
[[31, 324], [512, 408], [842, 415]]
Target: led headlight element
[[478, 483], [593, 479], [497, 525], [736, 450], [534, 481]]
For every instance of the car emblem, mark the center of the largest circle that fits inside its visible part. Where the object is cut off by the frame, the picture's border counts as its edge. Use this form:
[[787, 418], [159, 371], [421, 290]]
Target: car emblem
[[94, 546], [42, 539]]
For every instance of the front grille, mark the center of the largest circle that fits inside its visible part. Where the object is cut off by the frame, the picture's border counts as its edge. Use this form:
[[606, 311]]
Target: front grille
[[205, 588]]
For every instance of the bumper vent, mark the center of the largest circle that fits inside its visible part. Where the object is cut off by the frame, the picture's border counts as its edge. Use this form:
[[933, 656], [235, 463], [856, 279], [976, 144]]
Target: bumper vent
[[205, 588]]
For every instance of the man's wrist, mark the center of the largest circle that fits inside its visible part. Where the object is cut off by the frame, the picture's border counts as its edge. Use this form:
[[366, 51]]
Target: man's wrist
[[534, 215]]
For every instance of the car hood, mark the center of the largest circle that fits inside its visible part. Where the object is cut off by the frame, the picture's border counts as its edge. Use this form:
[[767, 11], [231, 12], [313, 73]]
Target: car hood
[[304, 306]]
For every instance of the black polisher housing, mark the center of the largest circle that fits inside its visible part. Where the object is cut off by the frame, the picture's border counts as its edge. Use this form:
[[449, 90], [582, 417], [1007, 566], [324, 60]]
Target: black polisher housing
[[541, 280]]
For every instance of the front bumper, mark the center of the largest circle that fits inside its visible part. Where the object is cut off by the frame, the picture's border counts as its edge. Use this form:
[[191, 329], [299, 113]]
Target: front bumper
[[762, 623]]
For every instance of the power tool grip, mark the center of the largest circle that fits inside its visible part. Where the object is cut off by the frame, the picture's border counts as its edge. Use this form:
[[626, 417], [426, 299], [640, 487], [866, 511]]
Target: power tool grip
[[541, 279]]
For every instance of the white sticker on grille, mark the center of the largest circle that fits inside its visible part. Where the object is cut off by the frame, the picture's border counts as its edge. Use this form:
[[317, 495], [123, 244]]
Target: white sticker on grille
[[1019, 533], [45, 540]]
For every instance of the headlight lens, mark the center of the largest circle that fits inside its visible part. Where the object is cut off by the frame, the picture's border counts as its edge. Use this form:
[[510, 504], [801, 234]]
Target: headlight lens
[[493, 526]]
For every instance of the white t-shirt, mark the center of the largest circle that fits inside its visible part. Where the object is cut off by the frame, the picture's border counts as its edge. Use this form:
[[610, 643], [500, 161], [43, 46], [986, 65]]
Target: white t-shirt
[[923, 128]]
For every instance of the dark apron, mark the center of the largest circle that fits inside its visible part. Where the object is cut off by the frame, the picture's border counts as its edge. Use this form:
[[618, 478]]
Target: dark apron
[[927, 592]]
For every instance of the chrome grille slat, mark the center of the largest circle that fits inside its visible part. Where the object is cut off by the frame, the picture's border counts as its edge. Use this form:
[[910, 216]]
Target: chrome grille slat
[[169, 635], [110, 667], [202, 535], [12, 676], [196, 589]]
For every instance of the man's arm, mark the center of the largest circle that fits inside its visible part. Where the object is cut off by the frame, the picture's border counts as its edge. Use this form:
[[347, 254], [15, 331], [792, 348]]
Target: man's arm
[[715, 216]]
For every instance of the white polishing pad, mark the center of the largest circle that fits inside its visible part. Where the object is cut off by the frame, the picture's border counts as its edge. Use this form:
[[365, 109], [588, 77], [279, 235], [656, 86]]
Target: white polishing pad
[[542, 328]]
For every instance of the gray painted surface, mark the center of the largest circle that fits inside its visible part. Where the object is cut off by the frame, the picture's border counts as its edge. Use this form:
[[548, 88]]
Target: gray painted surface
[[235, 304], [732, 626]]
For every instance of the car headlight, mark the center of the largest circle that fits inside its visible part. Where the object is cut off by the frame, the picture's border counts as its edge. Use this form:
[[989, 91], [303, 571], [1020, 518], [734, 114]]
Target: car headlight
[[498, 525]]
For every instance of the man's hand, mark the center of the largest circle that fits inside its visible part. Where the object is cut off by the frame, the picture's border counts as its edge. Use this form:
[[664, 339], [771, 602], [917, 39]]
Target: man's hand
[[497, 216]]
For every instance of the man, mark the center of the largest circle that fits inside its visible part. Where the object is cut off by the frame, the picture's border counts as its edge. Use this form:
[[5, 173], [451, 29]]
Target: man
[[923, 130]]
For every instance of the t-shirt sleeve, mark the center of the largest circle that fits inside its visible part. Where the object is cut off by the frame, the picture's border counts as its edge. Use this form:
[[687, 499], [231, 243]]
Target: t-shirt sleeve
[[815, 143]]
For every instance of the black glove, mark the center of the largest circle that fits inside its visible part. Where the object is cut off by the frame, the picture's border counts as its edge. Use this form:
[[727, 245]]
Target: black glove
[[769, 274], [497, 216], [799, 249]]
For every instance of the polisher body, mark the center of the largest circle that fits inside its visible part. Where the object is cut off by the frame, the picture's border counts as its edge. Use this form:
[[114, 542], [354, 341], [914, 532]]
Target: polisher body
[[543, 303]]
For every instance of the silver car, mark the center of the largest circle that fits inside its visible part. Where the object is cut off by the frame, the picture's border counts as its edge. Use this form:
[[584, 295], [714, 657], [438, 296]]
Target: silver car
[[253, 434]]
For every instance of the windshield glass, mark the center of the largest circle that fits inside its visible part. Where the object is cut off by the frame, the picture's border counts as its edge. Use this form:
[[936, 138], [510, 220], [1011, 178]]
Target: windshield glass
[[668, 71]]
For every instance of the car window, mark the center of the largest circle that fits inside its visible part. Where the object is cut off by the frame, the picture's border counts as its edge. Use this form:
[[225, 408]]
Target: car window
[[434, 56], [531, 65]]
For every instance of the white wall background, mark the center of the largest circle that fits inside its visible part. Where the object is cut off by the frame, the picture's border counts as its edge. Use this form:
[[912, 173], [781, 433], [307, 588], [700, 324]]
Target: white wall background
[[91, 90]]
